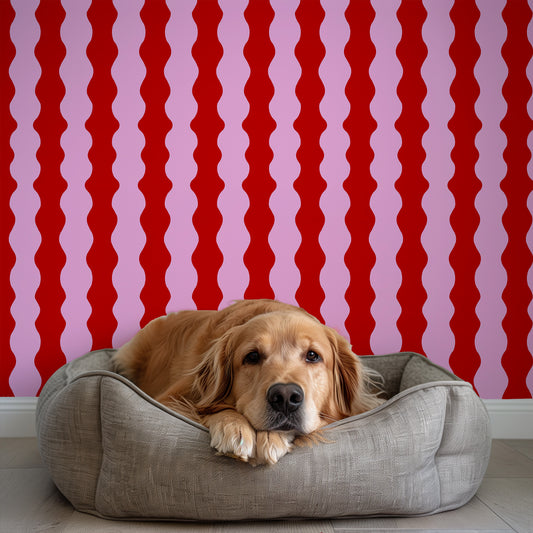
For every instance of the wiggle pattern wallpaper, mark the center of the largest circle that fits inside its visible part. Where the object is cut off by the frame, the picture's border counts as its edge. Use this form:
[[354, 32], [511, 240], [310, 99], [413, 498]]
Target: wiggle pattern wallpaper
[[368, 160]]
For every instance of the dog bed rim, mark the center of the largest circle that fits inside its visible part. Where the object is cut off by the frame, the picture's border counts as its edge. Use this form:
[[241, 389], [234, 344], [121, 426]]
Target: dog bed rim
[[175, 414]]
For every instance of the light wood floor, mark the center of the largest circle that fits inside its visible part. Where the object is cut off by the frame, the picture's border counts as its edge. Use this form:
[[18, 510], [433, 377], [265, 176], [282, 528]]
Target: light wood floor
[[29, 502]]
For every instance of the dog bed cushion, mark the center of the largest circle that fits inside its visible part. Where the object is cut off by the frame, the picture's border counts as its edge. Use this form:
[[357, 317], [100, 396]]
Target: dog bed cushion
[[116, 453]]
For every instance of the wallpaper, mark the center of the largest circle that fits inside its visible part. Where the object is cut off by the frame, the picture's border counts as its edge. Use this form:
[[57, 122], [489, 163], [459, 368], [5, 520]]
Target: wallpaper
[[369, 161]]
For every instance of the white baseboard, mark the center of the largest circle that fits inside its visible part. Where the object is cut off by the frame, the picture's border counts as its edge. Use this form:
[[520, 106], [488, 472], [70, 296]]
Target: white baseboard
[[511, 419], [17, 417]]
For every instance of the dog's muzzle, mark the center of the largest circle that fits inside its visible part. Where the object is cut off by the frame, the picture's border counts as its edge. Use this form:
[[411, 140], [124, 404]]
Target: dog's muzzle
[[285, 400]]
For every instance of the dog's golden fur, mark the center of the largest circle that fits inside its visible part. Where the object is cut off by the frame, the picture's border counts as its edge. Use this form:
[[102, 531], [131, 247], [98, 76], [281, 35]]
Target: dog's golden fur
[[224, 369]]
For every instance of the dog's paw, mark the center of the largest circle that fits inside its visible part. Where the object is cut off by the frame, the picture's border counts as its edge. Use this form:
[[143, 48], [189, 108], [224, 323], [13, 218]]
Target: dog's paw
[[271, 446], [233, 436]]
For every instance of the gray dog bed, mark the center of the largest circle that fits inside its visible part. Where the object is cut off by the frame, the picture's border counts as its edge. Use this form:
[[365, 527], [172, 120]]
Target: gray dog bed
[[116, 453]]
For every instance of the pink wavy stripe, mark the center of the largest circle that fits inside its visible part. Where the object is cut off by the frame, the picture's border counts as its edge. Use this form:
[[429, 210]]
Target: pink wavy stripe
[[491, 238], [75, 237], [529, 72], [233, 107], [334, 237], [529, 378], [7, 219], [24, 238], [128, 237], [385, 237], [181, 238], [437, 238], [284, 72]]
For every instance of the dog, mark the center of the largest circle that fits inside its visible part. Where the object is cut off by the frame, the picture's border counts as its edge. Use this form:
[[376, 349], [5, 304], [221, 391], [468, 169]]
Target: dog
[[258, 374]]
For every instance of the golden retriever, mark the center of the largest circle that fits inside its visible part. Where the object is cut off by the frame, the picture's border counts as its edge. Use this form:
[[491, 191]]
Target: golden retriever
[[258, 374]]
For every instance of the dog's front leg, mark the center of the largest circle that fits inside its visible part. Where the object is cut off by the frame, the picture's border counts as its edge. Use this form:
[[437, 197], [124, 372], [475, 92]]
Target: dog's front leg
[[272, 446], [231, 434]]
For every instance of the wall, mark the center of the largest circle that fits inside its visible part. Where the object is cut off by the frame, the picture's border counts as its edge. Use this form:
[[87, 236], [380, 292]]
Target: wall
[[366, 160]]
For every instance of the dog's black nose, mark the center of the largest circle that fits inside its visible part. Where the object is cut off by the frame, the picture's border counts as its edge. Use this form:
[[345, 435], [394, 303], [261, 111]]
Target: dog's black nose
[[285, 397]]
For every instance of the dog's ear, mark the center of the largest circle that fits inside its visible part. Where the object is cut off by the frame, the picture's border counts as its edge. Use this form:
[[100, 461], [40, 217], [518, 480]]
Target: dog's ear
[[357, 388], [214, 376], [346, 374]]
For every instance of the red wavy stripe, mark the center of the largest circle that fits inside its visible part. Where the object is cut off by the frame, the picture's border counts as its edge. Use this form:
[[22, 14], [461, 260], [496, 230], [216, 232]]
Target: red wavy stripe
[[411, 184], [102, 185], [259, 125], [7, 219], [155, 184], [50, 185], [309, 185], [464, 258], [207, 185], [517, 186], [360, 185]]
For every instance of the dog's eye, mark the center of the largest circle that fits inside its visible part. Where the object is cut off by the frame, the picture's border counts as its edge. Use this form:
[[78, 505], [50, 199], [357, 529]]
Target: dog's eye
[[253, 358], [312, 357]]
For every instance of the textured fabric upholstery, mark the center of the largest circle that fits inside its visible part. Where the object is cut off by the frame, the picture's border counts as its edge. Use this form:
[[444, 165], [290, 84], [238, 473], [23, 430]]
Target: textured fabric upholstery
[[115, 452]]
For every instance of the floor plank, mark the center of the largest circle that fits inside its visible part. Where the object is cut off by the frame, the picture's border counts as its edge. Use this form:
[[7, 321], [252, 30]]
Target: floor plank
[[297, 526], [511, 499], [19, 453], [86, 523], [524, 446], [396, 528], [473, 515], [29, 501], [505, 461]]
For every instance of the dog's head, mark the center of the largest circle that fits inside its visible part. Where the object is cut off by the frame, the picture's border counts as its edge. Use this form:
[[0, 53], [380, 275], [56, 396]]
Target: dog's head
[[283, 371]]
